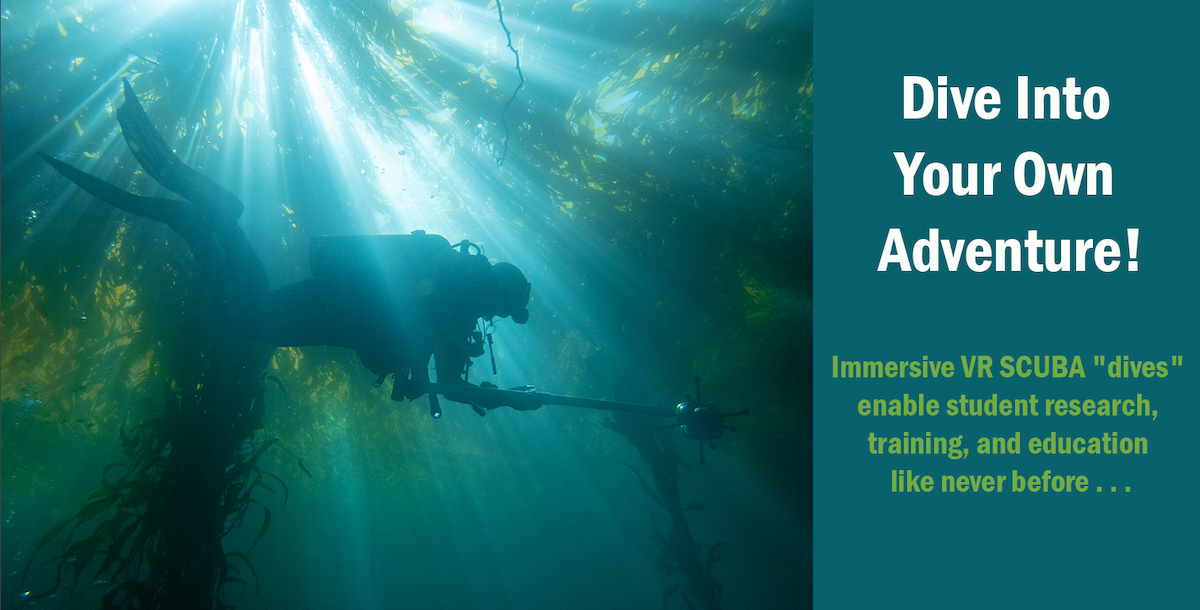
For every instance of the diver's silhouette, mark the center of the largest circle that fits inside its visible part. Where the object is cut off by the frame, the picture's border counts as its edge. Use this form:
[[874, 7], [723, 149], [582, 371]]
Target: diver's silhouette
[[396, 300]]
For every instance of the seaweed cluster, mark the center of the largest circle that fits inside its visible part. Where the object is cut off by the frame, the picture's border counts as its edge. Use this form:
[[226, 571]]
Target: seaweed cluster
[[189, 480], [681, 554]]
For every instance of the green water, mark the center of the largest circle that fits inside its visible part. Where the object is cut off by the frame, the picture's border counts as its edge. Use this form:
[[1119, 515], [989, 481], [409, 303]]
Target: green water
[[651, 177]]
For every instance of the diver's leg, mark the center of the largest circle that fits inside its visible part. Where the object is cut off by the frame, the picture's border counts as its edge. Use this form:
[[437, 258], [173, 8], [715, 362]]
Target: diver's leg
[[212, 204], [235, 276], [241, 296], [207, 221], [243, 309], [161, 163], [181, 216], [303, 314], [168, 211]]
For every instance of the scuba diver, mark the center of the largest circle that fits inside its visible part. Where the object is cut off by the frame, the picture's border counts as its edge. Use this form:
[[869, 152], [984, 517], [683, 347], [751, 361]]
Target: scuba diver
[[397, 300]]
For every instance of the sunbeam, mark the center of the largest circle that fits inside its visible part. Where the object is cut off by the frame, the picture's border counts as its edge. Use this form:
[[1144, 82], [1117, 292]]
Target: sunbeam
[[648, 170]]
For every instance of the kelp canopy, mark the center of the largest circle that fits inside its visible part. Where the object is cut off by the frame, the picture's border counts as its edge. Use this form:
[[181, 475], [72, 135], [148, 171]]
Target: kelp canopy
[[649, 169]]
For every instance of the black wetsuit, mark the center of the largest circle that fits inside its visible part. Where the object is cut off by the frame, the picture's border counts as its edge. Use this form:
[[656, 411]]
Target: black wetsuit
[[394, 315]]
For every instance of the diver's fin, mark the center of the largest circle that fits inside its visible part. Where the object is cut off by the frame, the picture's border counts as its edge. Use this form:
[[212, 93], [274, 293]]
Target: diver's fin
[[154, 208], [161, 163]]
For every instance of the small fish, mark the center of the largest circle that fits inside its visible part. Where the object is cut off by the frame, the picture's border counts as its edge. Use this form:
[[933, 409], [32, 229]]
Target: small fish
[[301, 463], [81, 320]]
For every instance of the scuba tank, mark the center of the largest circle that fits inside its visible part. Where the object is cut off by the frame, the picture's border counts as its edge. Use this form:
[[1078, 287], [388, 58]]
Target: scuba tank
[[377, 258]]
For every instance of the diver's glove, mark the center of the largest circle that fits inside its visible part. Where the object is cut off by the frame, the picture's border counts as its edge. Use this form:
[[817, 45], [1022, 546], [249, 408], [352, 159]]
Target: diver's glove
[[406, 387], [519, 398], [486, 402], [527, 400]]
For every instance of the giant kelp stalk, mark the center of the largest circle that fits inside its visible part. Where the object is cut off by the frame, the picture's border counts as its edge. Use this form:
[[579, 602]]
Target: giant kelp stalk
[[187, 484], [680, 551], [192, 469]]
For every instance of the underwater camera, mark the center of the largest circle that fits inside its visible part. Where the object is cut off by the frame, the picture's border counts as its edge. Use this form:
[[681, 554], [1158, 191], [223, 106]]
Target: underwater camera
[[702, 421]]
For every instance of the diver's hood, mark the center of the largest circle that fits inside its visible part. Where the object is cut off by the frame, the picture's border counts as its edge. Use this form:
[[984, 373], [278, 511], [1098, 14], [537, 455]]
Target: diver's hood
[[512, 292]]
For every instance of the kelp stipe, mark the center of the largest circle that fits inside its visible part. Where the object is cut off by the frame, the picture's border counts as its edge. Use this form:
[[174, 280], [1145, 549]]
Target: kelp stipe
[[191, 473], [680, 552]]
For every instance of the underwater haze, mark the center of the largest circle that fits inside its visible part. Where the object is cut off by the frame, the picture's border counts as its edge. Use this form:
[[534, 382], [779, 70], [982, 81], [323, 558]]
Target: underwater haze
[[648, 166]]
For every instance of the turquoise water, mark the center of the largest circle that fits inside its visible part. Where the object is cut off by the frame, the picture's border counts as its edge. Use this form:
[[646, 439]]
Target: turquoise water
[[648, 169]]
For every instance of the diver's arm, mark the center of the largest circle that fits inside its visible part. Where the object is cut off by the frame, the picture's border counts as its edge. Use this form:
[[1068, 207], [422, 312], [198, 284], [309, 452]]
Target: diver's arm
[[207, 221], [451, 364]]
